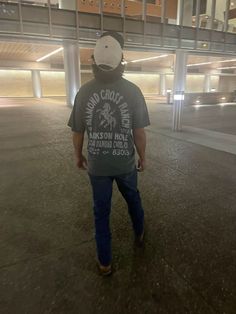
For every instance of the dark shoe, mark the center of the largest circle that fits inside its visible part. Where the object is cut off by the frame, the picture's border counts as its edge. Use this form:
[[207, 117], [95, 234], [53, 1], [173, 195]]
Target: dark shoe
[[105, 271], [139, 240]]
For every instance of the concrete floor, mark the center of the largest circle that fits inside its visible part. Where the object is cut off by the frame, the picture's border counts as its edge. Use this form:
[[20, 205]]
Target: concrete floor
[[47, 254], [219, 118]]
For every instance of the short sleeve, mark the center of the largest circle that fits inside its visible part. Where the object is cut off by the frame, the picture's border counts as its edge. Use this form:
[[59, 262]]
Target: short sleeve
[[76, 120], [140, 112]]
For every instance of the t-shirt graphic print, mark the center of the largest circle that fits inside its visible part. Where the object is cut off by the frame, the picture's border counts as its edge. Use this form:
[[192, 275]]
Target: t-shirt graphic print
[[106, 117], [108, 122], [109, 114]]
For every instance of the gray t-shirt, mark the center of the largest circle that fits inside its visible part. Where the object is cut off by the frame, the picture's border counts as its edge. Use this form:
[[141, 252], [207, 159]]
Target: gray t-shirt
[[109, 112]]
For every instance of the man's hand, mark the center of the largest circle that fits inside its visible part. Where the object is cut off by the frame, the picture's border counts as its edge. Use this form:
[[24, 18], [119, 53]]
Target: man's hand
[[81, 162], [140, 144], [78, 140], [141, 165]]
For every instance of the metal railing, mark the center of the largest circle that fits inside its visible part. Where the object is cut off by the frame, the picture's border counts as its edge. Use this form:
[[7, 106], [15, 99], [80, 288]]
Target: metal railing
[[47, 20]]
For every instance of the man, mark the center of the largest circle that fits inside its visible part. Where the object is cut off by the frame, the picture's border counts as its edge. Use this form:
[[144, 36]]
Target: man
[[113, 112]]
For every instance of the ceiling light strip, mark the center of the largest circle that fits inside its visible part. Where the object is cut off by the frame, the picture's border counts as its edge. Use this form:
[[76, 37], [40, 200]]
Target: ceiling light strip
[[197, 64], [232, 60], [226, 68], [210, 62], [49, 54], [150, 58]]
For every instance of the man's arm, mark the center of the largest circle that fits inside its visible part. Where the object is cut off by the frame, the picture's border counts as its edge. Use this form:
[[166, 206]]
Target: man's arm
[[140, 144], [78, 140]]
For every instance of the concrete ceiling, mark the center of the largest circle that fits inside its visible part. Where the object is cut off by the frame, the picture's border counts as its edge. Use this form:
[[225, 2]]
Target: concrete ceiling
[[28, 52], [22, 53]]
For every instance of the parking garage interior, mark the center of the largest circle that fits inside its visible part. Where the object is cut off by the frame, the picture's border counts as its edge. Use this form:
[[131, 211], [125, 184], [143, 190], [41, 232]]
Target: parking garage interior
[[47, 260], [210, 80]]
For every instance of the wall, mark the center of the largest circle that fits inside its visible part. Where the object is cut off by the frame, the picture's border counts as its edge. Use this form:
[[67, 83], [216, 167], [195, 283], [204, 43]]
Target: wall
[[15, 83], [67, 5], [195, 83], [187, 14], [53, 83], [215, 82], [220, 9], [227, 83], [169, 81], [132, 8], [18, 83], [148, 83]]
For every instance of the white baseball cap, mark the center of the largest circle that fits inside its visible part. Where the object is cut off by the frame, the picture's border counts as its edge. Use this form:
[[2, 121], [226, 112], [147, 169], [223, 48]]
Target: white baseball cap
[[108, 53]]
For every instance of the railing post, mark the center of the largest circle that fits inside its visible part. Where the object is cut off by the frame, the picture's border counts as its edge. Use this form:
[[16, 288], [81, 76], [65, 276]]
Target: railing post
[[197, 21], [20, 17], [163, 19], [50, 18], [163, 11], [144, 13], [213, 10], [101, 6], [123, 15], [226, 19], [77, 19]]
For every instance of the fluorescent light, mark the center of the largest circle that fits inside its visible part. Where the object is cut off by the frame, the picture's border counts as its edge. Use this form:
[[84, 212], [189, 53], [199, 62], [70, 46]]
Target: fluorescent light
[[210, 62], [226, 68], [50, 54], [150, 58], [196, 64], [230, 60]]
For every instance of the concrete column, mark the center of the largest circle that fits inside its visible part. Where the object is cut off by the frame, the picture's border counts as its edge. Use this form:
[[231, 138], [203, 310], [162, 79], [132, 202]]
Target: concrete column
[[72, 71], [36, 82], [163, 84], [207, 83], [179, 87], [67, 5], [179, 12]]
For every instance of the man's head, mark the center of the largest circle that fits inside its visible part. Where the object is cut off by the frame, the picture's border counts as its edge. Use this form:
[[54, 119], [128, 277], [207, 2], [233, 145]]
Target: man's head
[[108, 56], [108, 52]]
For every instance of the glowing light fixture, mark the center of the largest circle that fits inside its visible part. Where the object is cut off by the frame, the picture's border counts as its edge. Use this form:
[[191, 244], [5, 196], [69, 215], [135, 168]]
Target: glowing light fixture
[[196, 64], [178, 97], [210, 62], [49, 54], [226, 68], [230, 60], [150, 58]]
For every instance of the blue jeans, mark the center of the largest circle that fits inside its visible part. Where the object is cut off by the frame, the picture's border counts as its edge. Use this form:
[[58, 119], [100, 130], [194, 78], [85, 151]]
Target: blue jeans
[[102, 194]]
